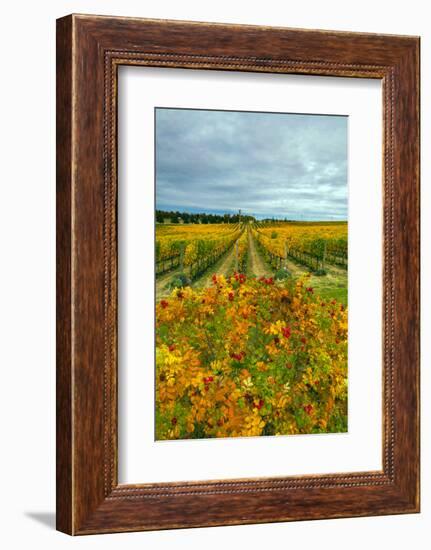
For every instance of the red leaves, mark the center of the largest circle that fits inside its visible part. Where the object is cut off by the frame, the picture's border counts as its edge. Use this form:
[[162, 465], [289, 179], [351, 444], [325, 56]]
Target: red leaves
[[238, 356], [286, 332], [207, 381], [231, 296], [214, 279], [174, 421], [172, 347], [164, 304], [240, 277], [259, 405], [308, 409], [310, 290]]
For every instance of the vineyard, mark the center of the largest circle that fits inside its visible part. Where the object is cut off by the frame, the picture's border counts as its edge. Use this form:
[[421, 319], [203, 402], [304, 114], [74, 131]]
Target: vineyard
[[195, 247], [313, 245], [251, 329]]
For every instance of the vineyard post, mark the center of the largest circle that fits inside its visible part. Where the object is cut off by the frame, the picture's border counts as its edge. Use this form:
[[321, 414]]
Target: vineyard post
[[236, 256], [182, 257], [286, 252], [324, 255]]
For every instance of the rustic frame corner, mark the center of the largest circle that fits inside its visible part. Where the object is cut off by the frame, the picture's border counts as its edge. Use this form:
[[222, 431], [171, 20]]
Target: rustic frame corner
[[89, 51]]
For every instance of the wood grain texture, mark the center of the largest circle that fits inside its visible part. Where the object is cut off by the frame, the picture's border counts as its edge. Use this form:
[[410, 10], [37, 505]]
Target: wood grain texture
[[90, 49], [64, 497]]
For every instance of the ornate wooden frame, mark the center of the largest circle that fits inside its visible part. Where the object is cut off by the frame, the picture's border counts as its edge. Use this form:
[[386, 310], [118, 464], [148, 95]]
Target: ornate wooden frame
[[89, 51]]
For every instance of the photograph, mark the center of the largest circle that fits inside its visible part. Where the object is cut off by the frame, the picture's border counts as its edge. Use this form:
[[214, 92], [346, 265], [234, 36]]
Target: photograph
[[251, 273], [215, 234]]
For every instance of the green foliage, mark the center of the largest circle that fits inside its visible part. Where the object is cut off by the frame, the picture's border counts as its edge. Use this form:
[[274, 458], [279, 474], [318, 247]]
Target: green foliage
[[181, 280], [316, 248], [282, 274], [202, 217]]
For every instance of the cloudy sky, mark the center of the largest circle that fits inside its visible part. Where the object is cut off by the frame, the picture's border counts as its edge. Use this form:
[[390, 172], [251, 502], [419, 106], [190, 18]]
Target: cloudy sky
[[267, 164]]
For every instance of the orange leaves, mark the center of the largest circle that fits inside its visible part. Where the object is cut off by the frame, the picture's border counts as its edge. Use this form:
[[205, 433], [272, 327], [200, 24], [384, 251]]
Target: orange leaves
[[271, 360]]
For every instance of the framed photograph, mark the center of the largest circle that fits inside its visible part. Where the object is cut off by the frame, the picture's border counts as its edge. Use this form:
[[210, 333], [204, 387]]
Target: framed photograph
[[237, 274]]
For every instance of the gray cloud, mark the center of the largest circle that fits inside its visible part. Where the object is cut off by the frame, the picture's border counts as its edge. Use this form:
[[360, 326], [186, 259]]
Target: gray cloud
[[267, 164]]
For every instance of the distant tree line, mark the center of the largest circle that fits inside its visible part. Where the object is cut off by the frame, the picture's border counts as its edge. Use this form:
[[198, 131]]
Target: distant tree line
[[274, 220], [163, 216]]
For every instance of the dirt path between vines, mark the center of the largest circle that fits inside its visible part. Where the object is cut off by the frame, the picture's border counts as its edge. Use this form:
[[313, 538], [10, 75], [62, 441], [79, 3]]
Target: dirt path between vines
[[162, 282], [295, 269], [335, 269], [256, 267], [224, 266]]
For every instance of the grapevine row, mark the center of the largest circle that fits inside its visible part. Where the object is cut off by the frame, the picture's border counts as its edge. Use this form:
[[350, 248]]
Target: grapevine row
[[312, 246], [193, 247], [200, 259]]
